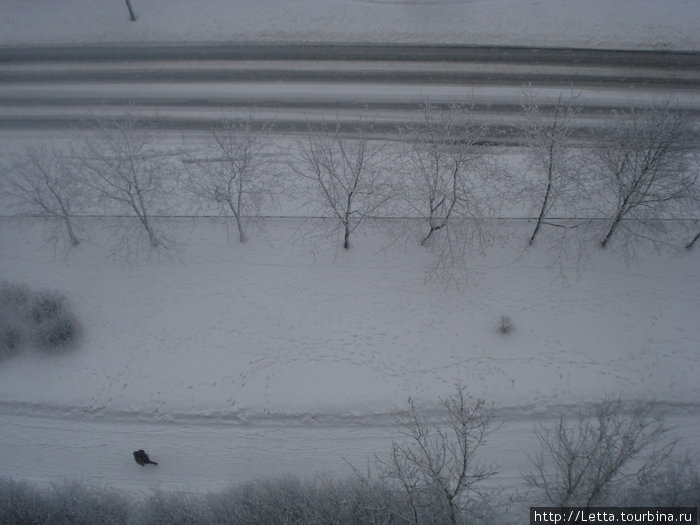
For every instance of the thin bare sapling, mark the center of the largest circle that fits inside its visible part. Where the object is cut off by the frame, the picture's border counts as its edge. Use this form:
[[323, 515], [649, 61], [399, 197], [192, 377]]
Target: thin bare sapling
[[547, 133], [347, 173], [44, 181], [234, 173], [128, 168], [646, 171]]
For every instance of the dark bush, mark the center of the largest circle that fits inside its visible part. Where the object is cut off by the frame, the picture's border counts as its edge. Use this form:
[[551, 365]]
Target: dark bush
[[22, 504], [505, 324], [42, 320], [15, 296], [10, 338], [14, 301], [53, 324]]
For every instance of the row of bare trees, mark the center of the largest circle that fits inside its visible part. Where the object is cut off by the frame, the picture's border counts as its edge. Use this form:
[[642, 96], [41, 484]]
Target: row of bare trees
[[638, 169], [642, 165], [118, 169], [609, 453]]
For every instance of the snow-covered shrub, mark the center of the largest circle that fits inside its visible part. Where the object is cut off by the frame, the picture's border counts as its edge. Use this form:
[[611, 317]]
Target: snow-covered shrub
[[9, 339], [505, 324], [14, 301], [21, 504], [41, 320], [676, 484], [164, 508], [286, 500], [78, 504], [312, 502], [53, 325]]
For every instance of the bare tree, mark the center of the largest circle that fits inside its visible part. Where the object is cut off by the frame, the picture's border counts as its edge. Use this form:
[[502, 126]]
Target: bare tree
[[42, 180], [645, 168], [440, 170], [233, 172], [547, 133], [584, 461], [436, 467], [126, 165], [451, 183], [348, 174]]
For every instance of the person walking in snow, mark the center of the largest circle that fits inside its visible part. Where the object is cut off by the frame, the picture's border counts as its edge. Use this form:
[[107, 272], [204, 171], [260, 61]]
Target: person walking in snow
[[142, 458]]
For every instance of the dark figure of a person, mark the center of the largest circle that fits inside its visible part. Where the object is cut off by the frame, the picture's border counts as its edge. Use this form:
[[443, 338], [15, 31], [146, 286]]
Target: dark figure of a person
[[142, 458]]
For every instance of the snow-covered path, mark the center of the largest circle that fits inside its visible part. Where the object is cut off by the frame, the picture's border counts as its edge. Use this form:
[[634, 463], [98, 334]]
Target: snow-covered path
[[201, 456]]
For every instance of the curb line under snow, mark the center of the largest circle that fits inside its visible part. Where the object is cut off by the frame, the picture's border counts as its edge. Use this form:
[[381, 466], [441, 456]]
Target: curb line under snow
[[340, 51]]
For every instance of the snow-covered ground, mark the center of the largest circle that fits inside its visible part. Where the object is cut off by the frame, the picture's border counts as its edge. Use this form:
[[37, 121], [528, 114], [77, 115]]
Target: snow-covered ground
[[230, 362], [284, 336], [264, 329], [613, 24]]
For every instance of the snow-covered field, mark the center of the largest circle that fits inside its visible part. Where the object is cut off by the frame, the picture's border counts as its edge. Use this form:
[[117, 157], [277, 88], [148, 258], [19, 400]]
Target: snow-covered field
[[284, 334], [269, 328]]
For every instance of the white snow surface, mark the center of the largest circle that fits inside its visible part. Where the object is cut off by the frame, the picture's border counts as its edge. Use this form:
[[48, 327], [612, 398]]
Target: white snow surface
[[615, 24], [230, 362], [286, 355], [278, 327]]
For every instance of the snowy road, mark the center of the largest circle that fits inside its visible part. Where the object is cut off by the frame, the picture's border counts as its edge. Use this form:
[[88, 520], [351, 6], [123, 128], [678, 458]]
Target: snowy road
[[193, 87]]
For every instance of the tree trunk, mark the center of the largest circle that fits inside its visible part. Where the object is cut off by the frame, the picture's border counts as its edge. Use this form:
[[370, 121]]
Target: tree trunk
[[155, 243], [241, 232], [542, 212], [690, 245], [152, 237], [346, 221], [239, 221], [550, 173], [71, 235], [131, 11], [433, 229], [617, 220]]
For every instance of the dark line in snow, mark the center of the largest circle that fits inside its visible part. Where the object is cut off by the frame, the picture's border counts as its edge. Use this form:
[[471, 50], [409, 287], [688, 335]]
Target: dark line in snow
[[345, 52]]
